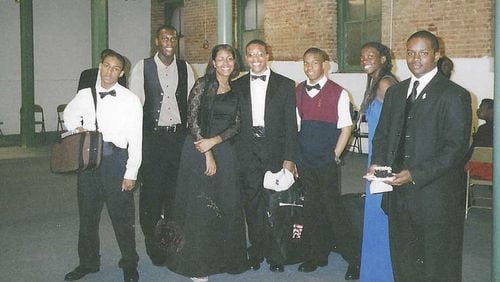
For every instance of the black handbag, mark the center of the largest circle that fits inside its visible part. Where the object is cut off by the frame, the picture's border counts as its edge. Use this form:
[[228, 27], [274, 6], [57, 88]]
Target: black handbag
[[78, 152], [286, 219], [168, 236]]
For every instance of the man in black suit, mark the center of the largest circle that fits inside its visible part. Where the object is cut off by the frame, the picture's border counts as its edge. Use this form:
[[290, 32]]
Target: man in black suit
[[423, 134], [267, 141]]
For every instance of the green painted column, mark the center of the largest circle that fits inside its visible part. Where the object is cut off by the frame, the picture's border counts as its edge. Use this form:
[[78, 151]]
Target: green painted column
[[99, 22], [496, 153], [27, 74], [224, 21]]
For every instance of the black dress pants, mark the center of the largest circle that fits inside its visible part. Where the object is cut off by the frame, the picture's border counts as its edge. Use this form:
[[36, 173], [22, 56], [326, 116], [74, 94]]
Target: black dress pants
[[322, 199], [425, 251], [256, 205], [158, 174], [99, 187]]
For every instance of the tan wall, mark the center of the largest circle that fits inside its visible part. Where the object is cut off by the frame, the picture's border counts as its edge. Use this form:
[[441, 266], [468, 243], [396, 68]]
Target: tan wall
[[292, 26]]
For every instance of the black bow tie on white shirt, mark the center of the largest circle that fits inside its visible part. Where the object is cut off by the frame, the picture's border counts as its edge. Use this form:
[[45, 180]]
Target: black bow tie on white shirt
[[104, 94], [262, 77], [311, 87]]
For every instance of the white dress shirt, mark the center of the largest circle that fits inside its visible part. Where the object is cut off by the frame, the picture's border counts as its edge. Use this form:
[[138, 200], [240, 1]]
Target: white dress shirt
[[343, 111], [169, 77], [119, 120], [258, 89], [423, 81]]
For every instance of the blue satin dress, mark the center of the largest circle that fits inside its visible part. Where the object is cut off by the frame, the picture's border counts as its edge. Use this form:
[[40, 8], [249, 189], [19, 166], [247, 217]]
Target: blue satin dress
[[375, 253]]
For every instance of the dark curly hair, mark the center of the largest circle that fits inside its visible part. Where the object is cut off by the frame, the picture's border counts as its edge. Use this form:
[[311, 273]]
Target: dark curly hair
[[385, 70], [210, 70]]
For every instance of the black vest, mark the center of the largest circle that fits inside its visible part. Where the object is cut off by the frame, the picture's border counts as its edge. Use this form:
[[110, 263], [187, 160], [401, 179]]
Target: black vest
[[153, 97]]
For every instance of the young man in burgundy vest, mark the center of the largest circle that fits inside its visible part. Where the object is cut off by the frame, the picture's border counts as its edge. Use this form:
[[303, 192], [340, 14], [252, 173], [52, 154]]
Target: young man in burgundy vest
[[325, 128]]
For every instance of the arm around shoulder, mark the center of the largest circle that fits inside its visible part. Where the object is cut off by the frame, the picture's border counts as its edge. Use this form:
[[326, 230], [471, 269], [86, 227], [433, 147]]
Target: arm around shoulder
[[136, 81]]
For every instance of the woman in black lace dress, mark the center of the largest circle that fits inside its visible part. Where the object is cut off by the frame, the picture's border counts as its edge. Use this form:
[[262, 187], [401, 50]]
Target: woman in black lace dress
[[207, 206]]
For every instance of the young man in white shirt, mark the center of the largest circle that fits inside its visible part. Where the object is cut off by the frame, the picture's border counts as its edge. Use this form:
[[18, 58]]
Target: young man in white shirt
[[119, 119]]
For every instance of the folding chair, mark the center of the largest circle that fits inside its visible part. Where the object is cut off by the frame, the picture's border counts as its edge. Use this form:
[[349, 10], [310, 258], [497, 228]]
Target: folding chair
[[39, 117], [479, 171], [60, 118], [357, 134]]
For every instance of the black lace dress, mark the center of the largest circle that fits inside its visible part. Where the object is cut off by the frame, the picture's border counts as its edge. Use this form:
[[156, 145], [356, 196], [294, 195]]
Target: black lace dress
[[208, 209]]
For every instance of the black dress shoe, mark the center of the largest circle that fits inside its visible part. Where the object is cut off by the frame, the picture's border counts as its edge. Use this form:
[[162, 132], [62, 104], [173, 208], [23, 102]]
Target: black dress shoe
[[310, 266], [130, 275], [79, 272], [352, 272], [254, 264], [276, 267]]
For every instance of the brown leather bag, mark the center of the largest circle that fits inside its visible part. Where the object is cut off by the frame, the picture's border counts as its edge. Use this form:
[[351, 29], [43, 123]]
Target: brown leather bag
[[78, 152]]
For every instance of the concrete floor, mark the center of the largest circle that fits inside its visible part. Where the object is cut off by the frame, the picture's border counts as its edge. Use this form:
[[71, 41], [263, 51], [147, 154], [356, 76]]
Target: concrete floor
[[39, 228]]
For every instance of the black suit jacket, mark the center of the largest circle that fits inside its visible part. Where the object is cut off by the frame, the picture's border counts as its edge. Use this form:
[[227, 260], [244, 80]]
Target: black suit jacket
[[439, 130], [279, 117], [88, 79]]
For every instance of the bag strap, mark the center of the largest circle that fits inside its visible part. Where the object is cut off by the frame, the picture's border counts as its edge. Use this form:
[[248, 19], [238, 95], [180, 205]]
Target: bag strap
[[94, 96]]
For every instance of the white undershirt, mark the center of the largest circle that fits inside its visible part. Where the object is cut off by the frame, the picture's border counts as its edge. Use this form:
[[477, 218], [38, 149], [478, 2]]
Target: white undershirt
[[423, 81], [258, 89]]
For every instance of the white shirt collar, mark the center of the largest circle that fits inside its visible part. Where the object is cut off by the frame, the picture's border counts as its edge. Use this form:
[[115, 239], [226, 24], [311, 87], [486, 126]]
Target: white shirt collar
[[423, 81], [313, 92], [158, 61], [267, 73], [101, 89], [321, 81]]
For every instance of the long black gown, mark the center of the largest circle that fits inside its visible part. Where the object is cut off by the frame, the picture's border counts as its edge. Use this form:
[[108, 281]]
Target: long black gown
[[208, 209]]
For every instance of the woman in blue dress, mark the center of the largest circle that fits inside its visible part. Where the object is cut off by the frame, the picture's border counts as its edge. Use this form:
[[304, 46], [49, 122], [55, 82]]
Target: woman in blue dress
[[375, 255]]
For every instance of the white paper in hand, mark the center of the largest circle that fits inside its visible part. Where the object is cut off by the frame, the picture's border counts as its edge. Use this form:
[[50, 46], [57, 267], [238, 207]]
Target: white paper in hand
[[279, 181], [378, 186]]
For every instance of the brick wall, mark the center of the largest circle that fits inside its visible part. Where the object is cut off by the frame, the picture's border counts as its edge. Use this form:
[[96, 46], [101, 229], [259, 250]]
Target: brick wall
[[292, 26], [157, 20], [465, 26], [194, 18]]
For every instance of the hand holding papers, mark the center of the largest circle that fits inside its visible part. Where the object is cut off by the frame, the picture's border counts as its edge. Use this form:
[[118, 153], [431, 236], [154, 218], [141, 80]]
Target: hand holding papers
[[279, 181], [377, 184]]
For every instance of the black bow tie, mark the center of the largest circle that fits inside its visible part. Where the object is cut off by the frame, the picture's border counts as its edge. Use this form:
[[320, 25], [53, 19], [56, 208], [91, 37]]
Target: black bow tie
[[103, 94], [311, 87], [262, 77]]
